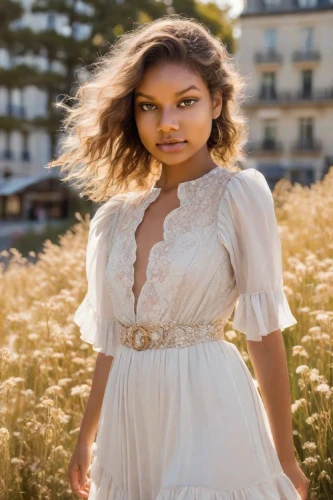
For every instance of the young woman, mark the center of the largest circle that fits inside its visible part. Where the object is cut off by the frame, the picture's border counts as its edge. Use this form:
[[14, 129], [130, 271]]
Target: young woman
[[181, 240]]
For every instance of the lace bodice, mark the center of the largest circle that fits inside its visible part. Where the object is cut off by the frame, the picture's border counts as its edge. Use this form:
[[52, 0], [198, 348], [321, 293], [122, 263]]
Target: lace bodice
[[220, 251], [188, 232]]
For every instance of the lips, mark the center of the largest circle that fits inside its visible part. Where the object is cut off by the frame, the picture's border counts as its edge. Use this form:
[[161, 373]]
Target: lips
[[170, 142], [172, 147]]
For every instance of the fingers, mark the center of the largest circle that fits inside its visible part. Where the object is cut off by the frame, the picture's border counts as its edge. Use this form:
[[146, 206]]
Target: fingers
[[79, 481], [82, 492]]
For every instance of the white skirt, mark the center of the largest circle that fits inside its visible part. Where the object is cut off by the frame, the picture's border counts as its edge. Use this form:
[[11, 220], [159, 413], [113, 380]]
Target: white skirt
[[185, 424]]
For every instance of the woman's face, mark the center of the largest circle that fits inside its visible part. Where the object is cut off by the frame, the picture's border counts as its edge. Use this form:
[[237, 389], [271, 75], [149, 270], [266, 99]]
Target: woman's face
[[170, 109]]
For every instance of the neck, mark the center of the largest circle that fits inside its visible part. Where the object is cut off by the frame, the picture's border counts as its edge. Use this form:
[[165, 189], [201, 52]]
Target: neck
[[172, 175]]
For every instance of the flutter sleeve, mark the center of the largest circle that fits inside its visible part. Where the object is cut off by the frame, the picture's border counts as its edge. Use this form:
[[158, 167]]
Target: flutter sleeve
[[247, 227], [94, 315]]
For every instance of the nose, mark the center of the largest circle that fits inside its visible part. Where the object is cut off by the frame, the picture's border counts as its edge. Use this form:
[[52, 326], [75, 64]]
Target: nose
[[167, 122]]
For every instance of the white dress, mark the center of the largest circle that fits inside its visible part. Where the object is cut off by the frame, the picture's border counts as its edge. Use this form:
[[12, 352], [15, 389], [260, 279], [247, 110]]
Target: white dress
[[186, 423]]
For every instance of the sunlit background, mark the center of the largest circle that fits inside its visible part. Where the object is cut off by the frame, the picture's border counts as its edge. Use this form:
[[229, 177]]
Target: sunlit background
[[283, 48]]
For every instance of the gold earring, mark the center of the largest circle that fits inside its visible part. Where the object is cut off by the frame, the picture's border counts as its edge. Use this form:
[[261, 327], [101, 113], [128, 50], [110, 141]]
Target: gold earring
[[219, 141]]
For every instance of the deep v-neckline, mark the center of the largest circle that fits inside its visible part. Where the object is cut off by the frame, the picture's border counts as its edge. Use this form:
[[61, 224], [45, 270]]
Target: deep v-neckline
[[152, 196], [149, 197]]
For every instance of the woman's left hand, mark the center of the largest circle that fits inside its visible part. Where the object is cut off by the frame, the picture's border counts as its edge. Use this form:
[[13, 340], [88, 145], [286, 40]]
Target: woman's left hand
[[298, 478]]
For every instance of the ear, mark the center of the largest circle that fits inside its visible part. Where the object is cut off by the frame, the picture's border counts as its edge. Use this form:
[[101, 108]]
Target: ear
[[217, 104]]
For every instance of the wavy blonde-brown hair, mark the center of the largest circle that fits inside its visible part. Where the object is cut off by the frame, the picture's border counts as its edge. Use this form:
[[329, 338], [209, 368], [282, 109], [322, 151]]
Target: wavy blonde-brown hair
[[103, 154]]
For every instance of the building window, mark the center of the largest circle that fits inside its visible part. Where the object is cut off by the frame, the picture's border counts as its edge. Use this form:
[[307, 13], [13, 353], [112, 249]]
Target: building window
[[307, 77], [273, 3], [268, 90], [303, 176], [307, 38], [269, 133], [306, 127], [270, 39], [7, 173], [7, 154], [15, 110], [309, 175], [307, 3], [25, 155], [51, 21]]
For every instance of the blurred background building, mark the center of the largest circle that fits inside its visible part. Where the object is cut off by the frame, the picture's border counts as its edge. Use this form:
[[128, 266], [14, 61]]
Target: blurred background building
[[34, 71], [285, 52], [32, 76]]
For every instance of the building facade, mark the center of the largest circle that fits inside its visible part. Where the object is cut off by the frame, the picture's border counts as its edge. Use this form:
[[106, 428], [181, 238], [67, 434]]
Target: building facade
[[26, 150], [285, 53]]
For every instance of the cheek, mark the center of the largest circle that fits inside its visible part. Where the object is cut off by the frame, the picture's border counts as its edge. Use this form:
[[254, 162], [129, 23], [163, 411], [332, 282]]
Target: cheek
[[196, 121], [200, 126], [145, 130], [202, 115], [144, 125]]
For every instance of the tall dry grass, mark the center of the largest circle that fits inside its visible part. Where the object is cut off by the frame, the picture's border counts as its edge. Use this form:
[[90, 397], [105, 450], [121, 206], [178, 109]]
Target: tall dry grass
[[46, 370]]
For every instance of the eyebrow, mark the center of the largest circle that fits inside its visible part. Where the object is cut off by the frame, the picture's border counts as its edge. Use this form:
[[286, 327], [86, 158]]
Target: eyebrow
[[176, 93]]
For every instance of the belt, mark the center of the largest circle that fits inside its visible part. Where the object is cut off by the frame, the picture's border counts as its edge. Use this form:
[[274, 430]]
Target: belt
[[154, 336]]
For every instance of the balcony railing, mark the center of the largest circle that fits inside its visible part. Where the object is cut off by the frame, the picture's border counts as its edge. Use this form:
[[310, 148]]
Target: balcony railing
[[264, 146], [271, 95], [269, 56], [268, 93], [306, 55], [307, 146]]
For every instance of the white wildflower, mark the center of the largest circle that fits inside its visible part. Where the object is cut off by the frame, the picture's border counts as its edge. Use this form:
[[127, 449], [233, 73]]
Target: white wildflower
[[309, 445], [323, 387], [302, 369]]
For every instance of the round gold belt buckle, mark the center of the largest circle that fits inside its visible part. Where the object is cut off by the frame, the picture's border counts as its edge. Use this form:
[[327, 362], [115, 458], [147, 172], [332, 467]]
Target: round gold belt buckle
[[143, 339]]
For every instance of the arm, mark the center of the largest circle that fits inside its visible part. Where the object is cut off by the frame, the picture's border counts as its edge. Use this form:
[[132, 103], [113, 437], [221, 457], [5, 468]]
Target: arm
[[269, 362], [248, 229], [92, 412]]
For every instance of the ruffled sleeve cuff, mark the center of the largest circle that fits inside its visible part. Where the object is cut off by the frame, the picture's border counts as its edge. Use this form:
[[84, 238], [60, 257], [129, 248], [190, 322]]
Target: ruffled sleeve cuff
[[258, 314], [102, 333]]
